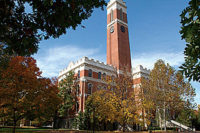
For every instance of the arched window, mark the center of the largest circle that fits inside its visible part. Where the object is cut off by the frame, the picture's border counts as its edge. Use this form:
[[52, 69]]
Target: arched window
[[78, 73], [89, 92], [111, 16], [90, 73], [121, 14], [99, 75]]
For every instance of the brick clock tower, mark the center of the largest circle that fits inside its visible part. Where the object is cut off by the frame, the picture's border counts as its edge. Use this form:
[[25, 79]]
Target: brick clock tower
[[118, 48]]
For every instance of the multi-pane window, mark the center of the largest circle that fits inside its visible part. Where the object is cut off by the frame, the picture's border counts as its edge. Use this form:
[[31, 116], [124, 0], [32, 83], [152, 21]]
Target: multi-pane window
[[90, 73], [89, 92], [99, 75]]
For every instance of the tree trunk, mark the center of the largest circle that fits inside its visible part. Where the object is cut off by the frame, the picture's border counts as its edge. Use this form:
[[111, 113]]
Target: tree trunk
[[55, 120], [93, 120], [14, 122], [165, 128], [159, 119]]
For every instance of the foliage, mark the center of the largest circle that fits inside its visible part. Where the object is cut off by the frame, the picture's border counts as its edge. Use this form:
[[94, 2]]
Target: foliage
[[68, 95], [145, 104], [85, 120], [24, 93], [115, 103], [23, 23], [173, 91], [190, 31], [4, 59]]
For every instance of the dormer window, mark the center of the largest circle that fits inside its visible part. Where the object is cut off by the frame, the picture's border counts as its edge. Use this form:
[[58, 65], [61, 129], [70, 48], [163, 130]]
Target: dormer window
[[90, 73]]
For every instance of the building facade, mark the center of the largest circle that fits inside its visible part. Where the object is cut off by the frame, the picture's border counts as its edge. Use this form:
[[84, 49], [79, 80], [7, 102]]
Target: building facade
[[90, 72]]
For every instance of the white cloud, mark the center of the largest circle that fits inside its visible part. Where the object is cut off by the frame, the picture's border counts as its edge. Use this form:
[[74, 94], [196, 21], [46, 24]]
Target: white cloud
[[54, 60], [148, 59]]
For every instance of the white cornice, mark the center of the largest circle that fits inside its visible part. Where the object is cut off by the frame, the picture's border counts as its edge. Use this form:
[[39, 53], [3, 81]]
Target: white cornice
[[117, 21]]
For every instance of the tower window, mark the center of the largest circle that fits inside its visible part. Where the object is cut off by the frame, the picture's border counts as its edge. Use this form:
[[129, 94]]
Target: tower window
[[90, 73], [121, 14], [111, 16], [89, 89], [99, 75]]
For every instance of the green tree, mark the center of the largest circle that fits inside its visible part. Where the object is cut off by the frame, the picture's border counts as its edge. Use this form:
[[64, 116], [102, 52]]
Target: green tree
[[190, 32], [24, 23], [67, 93], [173, 91]]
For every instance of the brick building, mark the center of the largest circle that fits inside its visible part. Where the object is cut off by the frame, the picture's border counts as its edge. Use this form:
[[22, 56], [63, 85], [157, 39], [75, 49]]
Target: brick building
[[90, 72]]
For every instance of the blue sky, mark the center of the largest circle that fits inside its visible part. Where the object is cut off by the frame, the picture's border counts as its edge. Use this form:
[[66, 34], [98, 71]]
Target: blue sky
[[153, 32]]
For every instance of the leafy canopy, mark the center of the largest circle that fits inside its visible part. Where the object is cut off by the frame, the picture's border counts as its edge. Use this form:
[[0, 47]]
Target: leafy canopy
[[190, 32], [23, 23], [24, 93]]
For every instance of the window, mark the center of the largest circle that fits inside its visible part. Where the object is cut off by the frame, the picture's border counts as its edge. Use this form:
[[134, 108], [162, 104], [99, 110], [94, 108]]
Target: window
[[113, 78], [121, 14], [111, 16], [78, 90], [89, 89], [77, 107], [105, 88], [104, 76], [99, 88], [99, 75], [90, 73], [78, 73]]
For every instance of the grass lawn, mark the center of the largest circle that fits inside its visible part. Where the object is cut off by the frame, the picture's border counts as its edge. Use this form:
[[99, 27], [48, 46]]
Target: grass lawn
[[24, 130]]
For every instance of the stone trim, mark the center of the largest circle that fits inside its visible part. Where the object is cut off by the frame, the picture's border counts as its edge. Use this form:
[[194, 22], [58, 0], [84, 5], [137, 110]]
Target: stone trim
[[118, 21]]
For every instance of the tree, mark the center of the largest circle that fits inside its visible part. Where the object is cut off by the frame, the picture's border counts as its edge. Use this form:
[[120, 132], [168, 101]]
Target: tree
[[190, 32], [24, 93], [23, 23], [145, 104], [68, 95], [173, 91], [117, 102], [101, 108]]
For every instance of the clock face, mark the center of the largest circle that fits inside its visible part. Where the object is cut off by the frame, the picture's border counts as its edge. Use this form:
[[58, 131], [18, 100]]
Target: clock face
[[122, 28], [112, 29]]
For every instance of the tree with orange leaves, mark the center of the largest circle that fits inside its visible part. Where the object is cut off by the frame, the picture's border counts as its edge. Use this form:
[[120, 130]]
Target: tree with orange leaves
[[24, 93]]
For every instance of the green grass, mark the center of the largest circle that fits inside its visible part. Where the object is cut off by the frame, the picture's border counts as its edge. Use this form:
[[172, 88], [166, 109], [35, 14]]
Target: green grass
[[23, 130]]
